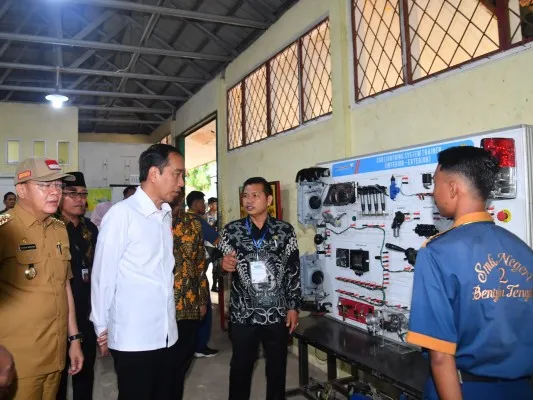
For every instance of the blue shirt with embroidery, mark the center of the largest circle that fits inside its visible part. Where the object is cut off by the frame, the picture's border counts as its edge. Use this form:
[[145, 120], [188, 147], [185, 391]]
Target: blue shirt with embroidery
[[473, 298]]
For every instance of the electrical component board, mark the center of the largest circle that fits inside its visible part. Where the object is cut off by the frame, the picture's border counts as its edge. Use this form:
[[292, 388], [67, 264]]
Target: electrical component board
[[372, 214]]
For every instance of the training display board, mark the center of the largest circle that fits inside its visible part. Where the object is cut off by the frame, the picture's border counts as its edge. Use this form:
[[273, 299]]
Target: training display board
[[373, 213]]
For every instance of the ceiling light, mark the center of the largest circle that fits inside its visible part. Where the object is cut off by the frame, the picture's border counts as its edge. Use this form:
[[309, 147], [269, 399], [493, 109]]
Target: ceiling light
[[57, 100]]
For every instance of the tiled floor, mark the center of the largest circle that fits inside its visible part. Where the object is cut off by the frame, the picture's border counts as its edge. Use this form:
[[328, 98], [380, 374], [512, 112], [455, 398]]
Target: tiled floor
[[208, 378]]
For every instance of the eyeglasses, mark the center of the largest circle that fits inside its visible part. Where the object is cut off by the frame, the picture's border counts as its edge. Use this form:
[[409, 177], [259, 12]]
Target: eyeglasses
[[76, 195], [47, 186]]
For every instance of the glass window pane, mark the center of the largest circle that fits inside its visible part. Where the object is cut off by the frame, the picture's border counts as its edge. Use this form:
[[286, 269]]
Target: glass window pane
[[316, 72], [63, 152], [39, 148], [13, 151]]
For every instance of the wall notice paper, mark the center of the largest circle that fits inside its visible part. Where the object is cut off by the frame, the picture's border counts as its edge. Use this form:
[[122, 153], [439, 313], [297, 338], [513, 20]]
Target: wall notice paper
[[98, 195]]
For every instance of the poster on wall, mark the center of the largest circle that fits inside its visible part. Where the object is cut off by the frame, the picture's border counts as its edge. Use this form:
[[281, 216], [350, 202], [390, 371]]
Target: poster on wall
[[98, 195], [275, 208]]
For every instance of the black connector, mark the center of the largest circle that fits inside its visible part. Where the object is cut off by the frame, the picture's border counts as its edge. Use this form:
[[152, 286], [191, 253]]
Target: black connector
[[426, 230]]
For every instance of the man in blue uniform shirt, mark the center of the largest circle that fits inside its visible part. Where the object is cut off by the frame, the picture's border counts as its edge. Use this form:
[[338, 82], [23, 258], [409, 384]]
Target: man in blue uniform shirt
[[471, 306]]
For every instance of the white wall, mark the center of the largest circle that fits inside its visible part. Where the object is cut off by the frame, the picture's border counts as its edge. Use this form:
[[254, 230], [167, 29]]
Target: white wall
[[105, 164]]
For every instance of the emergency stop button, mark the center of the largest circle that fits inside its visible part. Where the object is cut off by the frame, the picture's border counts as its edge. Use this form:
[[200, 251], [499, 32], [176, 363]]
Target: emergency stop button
[[504, 216]]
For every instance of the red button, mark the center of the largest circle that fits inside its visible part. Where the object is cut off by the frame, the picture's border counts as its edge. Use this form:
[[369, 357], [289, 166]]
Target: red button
[[502, 216]]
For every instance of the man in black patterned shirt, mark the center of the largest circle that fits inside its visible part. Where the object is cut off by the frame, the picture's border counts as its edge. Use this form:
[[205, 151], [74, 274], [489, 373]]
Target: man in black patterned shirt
[[261, 253]]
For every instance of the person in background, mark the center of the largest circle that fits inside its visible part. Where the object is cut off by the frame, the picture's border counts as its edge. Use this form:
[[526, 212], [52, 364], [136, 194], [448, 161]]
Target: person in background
[[82, 235], [471, 304], [129, 191], [102, 208], [212, 219], [190, 285], [37, 311], [132, 285], [10, 199], [7, 371], [212, 213], [196, 204], [262, 255]]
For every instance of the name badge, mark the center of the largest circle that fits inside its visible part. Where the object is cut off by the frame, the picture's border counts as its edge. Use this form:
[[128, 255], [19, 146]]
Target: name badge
[[85, 275], [25, 247], [258, 272]]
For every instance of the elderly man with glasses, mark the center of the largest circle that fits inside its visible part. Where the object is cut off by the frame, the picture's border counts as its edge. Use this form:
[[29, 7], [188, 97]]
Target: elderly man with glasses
[[36, 303], [82, 235]]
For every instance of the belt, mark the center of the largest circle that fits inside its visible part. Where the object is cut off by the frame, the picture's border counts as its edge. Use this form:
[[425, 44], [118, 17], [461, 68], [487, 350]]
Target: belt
[[467, 377]]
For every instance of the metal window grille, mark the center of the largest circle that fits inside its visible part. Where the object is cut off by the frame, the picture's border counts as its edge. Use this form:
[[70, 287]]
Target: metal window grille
[[284, 90], [520, 21], [315, 65], [291, 88], [430, 37], [377, 46], [235, 110], [255, 103], [445, 33]]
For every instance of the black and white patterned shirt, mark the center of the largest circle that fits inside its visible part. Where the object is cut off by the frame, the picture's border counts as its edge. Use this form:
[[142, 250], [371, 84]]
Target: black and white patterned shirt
[[265, 303]]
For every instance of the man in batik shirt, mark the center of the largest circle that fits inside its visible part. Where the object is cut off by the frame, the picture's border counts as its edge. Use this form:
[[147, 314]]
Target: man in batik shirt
[[261, 253], [190, 284]]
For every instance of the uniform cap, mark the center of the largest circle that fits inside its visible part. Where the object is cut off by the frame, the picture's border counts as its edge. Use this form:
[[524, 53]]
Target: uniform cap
[[40, 169]]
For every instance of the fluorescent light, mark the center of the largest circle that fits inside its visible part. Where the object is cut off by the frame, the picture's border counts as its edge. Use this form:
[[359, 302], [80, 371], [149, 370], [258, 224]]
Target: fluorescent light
[[57, 100]]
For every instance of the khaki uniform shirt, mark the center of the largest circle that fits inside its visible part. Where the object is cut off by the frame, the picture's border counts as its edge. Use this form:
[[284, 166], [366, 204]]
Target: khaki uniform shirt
[[34, 312]]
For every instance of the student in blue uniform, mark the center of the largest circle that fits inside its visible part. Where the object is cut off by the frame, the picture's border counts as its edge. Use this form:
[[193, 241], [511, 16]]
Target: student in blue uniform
[[472, 305]]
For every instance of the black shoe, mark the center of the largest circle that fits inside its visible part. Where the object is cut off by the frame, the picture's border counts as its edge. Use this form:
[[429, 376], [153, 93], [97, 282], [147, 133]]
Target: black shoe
[[207, 352]]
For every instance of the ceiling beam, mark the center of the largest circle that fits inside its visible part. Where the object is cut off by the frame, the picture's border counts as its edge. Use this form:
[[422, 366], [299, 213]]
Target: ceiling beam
[[99, 72], [140, 110], [110, 46], [95, 23], [120, 121], [92, 93], [152, 22], [174, 12]]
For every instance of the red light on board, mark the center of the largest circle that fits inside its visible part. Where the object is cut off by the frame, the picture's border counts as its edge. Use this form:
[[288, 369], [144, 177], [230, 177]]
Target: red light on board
[[501, 148]]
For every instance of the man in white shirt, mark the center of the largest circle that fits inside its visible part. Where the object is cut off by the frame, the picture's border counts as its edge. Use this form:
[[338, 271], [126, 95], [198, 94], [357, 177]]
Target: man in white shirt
[[132, 294]]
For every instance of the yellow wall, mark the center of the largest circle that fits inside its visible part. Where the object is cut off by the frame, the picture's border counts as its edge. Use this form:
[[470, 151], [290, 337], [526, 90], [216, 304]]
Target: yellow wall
[[486, 95], [28, 122]]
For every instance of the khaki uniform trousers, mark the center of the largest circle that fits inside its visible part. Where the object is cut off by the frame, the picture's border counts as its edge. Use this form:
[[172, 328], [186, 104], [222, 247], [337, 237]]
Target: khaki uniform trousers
[[42, 387]]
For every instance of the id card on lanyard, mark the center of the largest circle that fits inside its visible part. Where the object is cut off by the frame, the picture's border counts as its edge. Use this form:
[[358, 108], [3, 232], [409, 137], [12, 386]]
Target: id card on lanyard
[[258, 269]]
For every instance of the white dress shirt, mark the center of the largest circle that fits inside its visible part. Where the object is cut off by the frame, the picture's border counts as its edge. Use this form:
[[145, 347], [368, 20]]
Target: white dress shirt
[[132, 293]]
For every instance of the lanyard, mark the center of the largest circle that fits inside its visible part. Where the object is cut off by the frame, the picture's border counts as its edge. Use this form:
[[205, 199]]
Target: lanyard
[[257, 244]]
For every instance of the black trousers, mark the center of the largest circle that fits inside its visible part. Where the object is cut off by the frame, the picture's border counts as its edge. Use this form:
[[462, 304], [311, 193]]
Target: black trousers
[[82, 382], [246, 339], [188, 332], [146, 375]]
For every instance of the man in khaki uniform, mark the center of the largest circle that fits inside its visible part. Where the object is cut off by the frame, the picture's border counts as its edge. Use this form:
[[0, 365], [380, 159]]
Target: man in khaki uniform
[[36, 304]]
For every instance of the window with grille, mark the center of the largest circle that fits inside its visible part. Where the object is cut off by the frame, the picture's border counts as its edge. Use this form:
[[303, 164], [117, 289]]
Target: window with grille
[[399, 42], [316, 72], [377, 45], [291, 88], [284, 90]]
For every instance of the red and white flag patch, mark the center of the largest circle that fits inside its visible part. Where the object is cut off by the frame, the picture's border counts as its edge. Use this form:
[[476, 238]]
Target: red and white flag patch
[[53, 164]]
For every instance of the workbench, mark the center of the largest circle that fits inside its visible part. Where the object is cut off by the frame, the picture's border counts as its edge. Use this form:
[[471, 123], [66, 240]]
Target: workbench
[[407, 372]]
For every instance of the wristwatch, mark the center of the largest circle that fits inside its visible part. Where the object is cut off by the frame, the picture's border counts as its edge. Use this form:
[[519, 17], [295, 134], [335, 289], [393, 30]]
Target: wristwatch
[[76, 337]]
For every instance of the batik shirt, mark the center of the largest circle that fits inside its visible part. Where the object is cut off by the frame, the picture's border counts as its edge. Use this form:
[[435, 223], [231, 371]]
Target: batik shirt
[[190, 282], [264, 303]]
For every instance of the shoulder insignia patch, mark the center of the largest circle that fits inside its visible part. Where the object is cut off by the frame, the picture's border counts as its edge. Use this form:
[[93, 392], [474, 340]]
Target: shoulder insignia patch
[[58, 221], [5, 218]]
